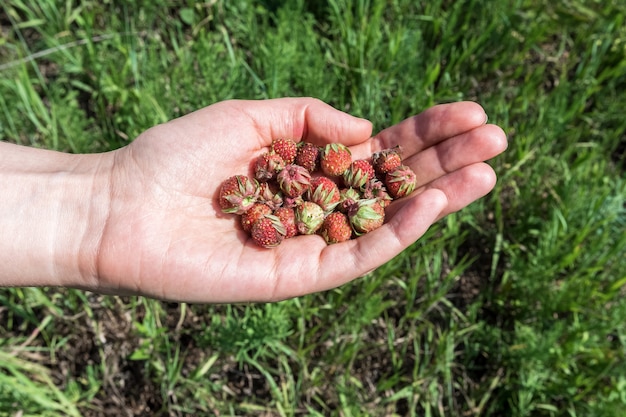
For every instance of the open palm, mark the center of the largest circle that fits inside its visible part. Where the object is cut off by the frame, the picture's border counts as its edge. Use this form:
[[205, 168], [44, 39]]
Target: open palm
[[166, 236]]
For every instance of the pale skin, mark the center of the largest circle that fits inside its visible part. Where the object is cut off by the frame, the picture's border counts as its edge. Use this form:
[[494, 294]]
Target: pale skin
[[144, 219]]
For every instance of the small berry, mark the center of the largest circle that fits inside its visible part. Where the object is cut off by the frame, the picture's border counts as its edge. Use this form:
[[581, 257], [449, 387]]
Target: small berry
[[387, 160], [336, 228], [270, 194], [238, 193], [256, 212], [348, 197], [324, 192], [268, 231], [366, 216], [335, 159], [288, 218], [308, 156], [376, 189], [294, 180], [309, 217], [286, 148], [267, 166], [401, 181], [358, 174]]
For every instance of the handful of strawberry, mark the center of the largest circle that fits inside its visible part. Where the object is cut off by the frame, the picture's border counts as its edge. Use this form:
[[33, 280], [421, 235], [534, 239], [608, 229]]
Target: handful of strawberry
[[300, 188]]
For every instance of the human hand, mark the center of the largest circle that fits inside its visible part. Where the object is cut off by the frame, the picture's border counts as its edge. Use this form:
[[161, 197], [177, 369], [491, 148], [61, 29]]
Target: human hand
[[166, 237]]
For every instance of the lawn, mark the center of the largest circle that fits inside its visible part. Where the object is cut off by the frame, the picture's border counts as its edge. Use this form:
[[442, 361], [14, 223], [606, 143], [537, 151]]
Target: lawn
[[513, 306]]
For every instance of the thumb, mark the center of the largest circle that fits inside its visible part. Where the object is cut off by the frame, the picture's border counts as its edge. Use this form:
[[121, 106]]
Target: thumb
[[340, 263]]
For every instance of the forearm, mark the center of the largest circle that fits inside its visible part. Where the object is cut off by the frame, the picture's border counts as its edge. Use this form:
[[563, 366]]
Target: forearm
[[53, 208]]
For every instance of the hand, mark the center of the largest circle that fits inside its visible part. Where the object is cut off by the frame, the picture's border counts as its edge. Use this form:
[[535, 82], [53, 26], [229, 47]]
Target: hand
[[166, 236]]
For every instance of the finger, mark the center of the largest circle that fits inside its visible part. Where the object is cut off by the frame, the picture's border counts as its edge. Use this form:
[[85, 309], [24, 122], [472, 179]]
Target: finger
[[307, 119], [340, 263], [464, 186], [427, 128], [477, 145]]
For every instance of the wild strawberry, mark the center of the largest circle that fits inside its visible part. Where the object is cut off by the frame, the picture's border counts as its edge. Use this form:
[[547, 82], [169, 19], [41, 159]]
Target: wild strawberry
[[401, 181], [336, 228], [309, 217], [335, 159], [366, 215], [376, 189], [267, 166], [308, 156], [287, 217], [358, 174], [286, 148], [238, 193], [387, 160], [348, 197], [270, 194], [324, 192], [294, 180], [268, 231], [256, 212]]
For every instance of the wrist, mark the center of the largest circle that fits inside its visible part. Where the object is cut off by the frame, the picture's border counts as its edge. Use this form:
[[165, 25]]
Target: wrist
[[54, 210]]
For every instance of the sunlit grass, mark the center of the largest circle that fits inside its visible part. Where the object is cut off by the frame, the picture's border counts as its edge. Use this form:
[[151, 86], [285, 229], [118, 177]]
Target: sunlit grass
[[514, 306]]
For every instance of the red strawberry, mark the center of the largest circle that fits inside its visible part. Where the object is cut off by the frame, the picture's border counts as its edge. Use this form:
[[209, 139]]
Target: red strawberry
[[366, 215], [288, 218], [286, 148], [238, 193], [336, 228], [387, 160], [256, 212], [324, 192], [267, 166], [308, 156], [401, 181], [268, 231], [335, 159], [294, 180], [309, 217], [358, 174]]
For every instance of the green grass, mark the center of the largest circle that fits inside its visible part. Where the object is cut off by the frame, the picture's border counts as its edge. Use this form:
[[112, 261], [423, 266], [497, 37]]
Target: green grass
[[514, 306]]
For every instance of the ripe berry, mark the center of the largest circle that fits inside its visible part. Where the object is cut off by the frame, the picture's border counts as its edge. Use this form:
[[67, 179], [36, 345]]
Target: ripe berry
[[256, 212], [268, 231], [308, 156], [387, 160], [288, 218], [401, 181], [324, 192], [286, 148], [238, 193], [358, 174], [336, 228], [335, 159]]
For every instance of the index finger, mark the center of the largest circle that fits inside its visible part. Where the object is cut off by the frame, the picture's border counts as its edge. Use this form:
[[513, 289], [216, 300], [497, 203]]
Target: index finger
[[426, 129]]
